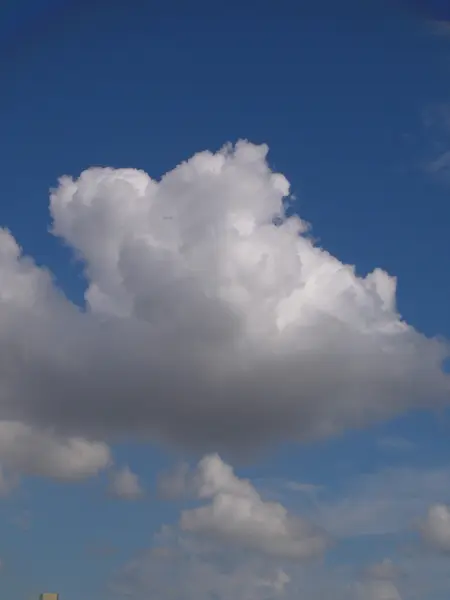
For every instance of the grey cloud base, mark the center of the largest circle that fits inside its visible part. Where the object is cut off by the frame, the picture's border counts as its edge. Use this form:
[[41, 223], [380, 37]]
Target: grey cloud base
[[207, 325]]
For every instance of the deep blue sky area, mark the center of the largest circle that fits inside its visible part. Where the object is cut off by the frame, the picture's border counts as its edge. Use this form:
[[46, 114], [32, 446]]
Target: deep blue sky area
[[354, 104]]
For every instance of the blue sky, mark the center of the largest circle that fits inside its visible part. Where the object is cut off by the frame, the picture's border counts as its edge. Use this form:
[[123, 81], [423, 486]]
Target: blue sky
[[355, 109]]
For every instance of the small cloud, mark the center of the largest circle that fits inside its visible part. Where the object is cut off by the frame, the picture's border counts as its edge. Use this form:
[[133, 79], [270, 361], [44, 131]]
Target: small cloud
[[384, 570], [378, 590], [435, 529], [439, 27], [125, 484], [436, 121], [378, 582], [306, 488], [40, 452], [277, 583], [440, 165]]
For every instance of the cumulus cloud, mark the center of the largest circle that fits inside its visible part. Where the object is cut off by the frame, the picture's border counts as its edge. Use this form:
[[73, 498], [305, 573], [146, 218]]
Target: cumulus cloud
[[378, 583], [378, 590], [185, 568], [277, 583], [215, 559], [436, 527], [187, 571], [212, 321], [179, 565], [238, 515], [30, 451], [125, 484], [384, 570]]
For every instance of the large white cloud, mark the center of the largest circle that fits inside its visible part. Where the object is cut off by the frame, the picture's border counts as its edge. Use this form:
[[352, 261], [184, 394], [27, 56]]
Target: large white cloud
[[238, 515], [212, 320]]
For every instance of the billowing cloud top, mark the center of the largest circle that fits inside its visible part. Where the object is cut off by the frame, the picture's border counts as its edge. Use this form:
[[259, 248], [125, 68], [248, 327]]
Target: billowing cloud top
[[212, 321], [238, 515]]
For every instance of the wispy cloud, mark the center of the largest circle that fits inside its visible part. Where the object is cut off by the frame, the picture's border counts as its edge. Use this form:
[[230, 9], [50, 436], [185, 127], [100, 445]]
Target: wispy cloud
[[305, 488], [436, 121], [440, 165], [439, 27], [387, 502], [395, 443]]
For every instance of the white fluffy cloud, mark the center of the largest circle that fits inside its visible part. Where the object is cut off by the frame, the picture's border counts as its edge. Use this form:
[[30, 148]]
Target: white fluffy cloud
[[436, 527], [29, 451], [212, 320], [125, 484], [238, 515]]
